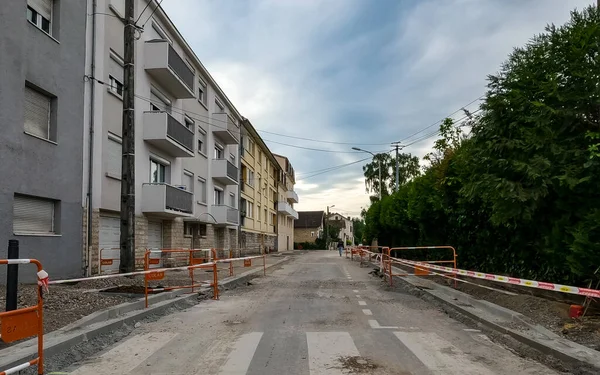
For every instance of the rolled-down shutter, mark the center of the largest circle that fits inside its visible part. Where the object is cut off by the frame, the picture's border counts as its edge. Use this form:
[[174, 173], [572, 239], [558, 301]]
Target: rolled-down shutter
[[114, 157], [37, 113], [33, 215], [43, 7]]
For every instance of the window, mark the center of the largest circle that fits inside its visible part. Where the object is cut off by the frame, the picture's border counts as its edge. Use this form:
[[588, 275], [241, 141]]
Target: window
[[220, 108], [273, 219], [218, 198], [37, 113], [157, 172], [33, 215], [194, 229], [266, 217], [218, 152], [232, 158], [258, 212], [39, 13], [159, 102], [259, 157], [202, 92], [251, 146], [232, 200], [188, 181], [116, 86], [251, 178], [114, 156], [249, 210], [202, 185], [189, 123], [312, 234], [201, 141], [156, 32]]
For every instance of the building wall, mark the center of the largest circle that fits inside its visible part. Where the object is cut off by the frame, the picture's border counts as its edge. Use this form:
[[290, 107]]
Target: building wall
[[33, 166], [108, 123], [306, 234], [285, 223], [257, 243]]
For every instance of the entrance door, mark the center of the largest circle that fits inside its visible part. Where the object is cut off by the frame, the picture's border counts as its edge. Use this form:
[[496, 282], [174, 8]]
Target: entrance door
[[109, 238], [155, 240]]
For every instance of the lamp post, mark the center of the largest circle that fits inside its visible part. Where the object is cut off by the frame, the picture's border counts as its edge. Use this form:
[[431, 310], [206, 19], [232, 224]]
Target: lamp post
[[379, 161], [327, 226]]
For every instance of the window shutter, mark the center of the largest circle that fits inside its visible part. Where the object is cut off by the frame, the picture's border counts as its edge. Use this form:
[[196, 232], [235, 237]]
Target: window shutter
[[188, 181], [37, 113], [115, 69], [43, 7], [114, 158], [33, 215]]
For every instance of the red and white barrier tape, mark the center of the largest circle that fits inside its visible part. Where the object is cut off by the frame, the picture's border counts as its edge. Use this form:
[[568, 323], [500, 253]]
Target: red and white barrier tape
[[508, 280], [136, 273]]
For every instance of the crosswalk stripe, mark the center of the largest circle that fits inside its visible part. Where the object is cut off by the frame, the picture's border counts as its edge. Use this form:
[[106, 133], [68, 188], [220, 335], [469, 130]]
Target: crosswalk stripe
[[439, 355], [326, 348], [241, 356], [128, 355]]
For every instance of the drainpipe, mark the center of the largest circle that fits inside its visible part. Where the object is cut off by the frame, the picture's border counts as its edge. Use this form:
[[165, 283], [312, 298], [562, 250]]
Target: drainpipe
[[88, 267]]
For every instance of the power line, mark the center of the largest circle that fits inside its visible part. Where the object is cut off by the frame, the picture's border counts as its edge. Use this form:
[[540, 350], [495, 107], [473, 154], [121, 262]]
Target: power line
[[151, 14], [432, 134], [321, 141], [332, 169]]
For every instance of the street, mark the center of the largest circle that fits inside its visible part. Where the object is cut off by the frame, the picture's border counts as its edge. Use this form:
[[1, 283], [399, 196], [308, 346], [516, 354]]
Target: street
[[317, 314]]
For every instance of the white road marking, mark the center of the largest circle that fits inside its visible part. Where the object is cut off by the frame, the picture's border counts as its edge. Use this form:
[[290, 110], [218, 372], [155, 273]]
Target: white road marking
[[240, 357], [128, 355], [375, 325], [325, 349], [355, 290], [367, 312], [362, 303], [471, 330], [440, 356]]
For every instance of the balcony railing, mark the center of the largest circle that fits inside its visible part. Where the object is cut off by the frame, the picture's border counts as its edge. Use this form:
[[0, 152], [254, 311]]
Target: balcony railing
[[225, 215], [292, 196], [224, 171], [165, 132], [167, 200], [225, 129], [168, 68], [287, 209]]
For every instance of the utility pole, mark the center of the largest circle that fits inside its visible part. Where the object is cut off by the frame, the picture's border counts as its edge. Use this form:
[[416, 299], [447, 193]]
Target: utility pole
[[127, 239], [397, 146], [327, 229]]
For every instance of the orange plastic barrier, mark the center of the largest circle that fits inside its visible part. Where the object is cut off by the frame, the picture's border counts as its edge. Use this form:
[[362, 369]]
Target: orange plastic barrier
[[26, 322], [387, 261], [106, 261]]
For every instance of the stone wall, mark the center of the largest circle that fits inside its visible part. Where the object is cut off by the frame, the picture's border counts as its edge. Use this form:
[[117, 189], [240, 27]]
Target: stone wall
[[257, 243], [303, 235]]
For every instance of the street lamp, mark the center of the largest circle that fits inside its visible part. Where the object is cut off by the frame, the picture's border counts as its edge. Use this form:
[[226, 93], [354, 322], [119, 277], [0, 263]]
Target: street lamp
[[379, 161], [327, 227]]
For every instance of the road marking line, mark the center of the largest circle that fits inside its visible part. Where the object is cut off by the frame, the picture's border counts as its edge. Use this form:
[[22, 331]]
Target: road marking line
[[128, 355], [325, 349], [362, 303], [471, 330], [375, 325], [355, 290], [367, 312], [358, 296], [240, 357], [440, 356]]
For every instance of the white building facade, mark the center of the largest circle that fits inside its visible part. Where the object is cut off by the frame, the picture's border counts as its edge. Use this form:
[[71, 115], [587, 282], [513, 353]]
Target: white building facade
[[187, 136]]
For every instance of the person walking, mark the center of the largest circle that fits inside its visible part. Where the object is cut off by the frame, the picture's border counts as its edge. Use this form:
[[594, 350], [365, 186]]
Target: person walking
[[340, 247]]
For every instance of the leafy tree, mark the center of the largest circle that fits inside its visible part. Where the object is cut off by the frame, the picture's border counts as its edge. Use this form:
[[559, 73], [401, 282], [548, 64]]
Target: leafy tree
[[358, 225], [408, 169]]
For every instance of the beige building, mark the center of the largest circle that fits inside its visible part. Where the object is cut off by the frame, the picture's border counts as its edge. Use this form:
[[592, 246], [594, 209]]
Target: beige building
[[258, 192], [287, 197]]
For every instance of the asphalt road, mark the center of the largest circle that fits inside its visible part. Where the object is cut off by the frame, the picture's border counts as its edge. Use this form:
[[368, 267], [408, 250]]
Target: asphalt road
[[318, 314]]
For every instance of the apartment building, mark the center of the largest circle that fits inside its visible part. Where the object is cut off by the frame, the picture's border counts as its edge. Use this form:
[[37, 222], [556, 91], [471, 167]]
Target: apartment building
[[286, 214], [187, 136], [344, 224], [259, 172], [42, 55]]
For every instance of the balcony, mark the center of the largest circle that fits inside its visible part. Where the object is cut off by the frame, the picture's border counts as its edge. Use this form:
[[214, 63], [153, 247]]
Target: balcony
[[225, 215], [286, 208], [168, 68], [292, 196], [166, 133], [225, 129], [224, 172], [166, 200]]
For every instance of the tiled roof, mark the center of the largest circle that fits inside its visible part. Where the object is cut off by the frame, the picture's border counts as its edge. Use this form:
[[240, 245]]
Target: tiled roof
[[309, 219]]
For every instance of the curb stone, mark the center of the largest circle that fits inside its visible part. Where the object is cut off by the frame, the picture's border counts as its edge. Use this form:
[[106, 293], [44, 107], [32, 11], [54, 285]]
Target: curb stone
[[582, 359], [108, 320]]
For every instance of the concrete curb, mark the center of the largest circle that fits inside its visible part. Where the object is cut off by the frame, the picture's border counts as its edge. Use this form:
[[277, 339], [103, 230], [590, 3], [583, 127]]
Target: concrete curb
[[500, 319], [108, 320]]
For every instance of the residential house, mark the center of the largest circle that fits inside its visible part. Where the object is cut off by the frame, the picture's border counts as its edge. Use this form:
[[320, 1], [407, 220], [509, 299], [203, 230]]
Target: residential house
[[287, 197], [42, 56], [187, 135], [345, 226], [258, 197], [309, 226]]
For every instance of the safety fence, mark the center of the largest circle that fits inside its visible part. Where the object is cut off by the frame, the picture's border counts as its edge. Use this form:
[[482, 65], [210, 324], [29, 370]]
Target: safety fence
[[26, 322]]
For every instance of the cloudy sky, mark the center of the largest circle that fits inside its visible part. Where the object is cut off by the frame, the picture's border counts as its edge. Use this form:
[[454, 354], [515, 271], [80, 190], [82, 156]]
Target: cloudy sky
[[354, 72]]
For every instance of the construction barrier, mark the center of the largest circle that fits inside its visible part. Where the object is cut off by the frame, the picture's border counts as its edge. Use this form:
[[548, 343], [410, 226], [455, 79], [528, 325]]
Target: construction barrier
[[26, 322], [105, 261], [505, 279], [387, 261]]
